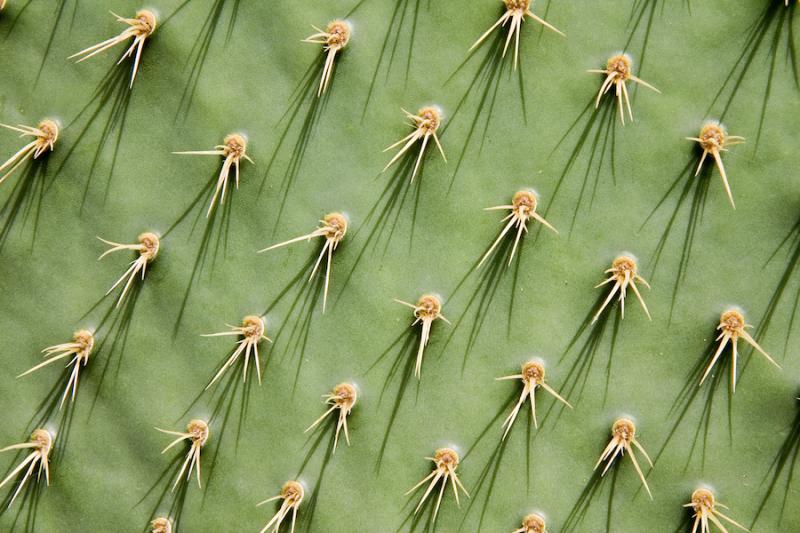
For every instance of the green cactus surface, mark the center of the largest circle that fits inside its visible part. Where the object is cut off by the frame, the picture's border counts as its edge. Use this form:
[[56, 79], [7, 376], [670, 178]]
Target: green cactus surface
[[216, 67]]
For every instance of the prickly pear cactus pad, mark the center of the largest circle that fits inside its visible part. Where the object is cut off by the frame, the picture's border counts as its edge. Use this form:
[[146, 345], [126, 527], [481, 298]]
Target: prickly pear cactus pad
[[358, 354]]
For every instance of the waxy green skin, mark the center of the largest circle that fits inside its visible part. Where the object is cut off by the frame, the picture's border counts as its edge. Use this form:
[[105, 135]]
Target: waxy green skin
[[113, 452]]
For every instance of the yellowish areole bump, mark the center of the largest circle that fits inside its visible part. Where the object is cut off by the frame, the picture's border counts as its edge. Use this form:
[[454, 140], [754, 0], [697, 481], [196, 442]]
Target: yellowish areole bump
[[45, 136], [714, 140], [343, 398], [532, 377], [161, 525], [623, 440], [139, 29], [446, 462], [533, 523], [523, 208], [233, 149], [516, 11], [252, 331], [425, 123], [78, 350], [333, 228], [427, 309], [333, 39], [40, 444], [291, 497], [623, 273], [147, 247], [732, 327], [617, 72], [704, 505], [197, 433]]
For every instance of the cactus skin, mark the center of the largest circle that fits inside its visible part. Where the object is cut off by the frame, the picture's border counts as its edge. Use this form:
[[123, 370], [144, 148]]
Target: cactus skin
[[49, 278]]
